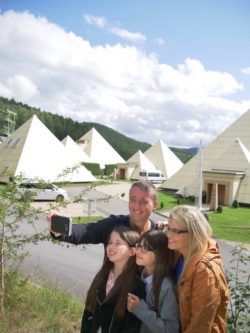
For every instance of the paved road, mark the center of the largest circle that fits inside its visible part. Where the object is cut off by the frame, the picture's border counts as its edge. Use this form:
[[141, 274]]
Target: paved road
[[73, 267]]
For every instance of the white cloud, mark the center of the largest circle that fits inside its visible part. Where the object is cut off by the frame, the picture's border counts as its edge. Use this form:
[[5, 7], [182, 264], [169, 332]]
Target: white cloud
[[246, 70], [118, 86], [98, 21], [160, 41], [102, 23], [125, 34]]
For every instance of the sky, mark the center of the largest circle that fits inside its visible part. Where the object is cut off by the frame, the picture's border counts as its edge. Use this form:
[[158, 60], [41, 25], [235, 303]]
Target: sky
[[175, 70]]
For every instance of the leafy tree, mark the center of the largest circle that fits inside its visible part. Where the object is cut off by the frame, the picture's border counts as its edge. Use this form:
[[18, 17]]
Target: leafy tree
[[239, 284], [15, 210]]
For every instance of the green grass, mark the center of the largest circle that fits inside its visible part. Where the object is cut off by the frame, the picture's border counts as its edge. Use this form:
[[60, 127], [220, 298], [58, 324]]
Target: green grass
[[232, 224], [86, 219], [38, 309], [168, 200]]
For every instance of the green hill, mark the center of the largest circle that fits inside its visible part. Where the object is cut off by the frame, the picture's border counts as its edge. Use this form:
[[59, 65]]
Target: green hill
[[61, 127]]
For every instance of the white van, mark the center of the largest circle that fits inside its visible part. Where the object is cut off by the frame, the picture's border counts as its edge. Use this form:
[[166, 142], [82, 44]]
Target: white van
[[152, 176]]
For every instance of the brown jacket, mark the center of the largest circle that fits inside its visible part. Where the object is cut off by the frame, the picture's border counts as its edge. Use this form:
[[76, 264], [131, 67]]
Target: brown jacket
[[203, 294]]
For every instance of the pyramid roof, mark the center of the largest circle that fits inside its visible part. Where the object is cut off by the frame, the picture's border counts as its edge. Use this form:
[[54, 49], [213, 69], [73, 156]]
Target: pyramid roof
[[229, 151], [74, 151], [75, 157], [164, 159], [99, 150], [33, 151], [141, 162], [235, 158]]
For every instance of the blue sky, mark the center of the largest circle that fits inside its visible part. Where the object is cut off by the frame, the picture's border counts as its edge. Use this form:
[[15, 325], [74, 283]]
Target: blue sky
[[172, 70]]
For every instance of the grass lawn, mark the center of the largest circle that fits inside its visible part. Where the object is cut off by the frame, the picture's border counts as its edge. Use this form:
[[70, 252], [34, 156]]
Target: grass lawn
[[38, 309], [168, 200], [232, 224], [86, 219]]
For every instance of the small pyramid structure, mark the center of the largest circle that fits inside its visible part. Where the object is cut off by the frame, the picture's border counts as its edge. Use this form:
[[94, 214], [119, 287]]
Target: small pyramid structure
[[74, 151], [77, 156], [98, 149], [164, 159], [240, 161], [140, 162], [225, 161], [35, 152]]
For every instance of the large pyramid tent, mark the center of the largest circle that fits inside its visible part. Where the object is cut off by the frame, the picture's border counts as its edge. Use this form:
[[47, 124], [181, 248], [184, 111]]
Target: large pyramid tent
[[33, 151], [135, 164], [164, 159], [98, 149], [225, 167]]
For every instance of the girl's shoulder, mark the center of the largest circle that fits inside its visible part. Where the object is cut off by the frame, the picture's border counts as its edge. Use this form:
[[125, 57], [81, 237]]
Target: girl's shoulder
[[168, 282]]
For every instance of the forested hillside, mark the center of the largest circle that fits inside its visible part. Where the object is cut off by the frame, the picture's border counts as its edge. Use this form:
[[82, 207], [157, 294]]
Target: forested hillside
[[61, 127]]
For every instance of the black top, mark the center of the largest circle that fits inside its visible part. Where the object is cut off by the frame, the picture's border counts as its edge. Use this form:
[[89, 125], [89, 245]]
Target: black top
[[103, 315]]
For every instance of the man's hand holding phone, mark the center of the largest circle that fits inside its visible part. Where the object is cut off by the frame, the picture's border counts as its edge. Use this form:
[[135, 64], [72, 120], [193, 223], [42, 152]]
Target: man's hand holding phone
[[59, 225]]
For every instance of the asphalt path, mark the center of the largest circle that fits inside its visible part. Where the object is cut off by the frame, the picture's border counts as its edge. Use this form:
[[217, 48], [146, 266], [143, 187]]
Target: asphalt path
[[71, 267]]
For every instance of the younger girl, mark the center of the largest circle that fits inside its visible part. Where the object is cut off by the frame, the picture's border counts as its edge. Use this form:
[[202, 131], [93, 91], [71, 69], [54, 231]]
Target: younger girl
[[160, 311], [106, 304]]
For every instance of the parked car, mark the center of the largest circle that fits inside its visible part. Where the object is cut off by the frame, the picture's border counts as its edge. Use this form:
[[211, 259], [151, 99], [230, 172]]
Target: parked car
[[39, 191]]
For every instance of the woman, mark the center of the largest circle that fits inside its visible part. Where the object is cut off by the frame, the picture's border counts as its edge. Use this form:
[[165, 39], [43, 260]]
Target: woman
[[106, 304], [202, 289]]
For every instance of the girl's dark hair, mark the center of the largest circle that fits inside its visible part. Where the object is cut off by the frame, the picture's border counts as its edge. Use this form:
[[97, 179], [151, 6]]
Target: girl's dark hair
[[157, 241], [129, 274]]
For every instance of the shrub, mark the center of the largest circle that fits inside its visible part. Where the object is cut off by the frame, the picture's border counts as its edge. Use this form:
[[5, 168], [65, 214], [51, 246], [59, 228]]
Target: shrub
[[161, 205], [94, 168], [235, 204], [206, 216], [219, 209], [238, 278], [109, 169], [192, 198]]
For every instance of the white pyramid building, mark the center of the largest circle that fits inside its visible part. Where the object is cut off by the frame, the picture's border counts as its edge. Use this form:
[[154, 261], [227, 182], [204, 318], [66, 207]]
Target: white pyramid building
[[164, 159], [225, 165], [137, 163], [33, 151], [74, 151], [77, 156], [98, 149]]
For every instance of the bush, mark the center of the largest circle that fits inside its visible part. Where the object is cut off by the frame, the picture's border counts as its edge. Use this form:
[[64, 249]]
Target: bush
[[235, 204], [109, 169], [161, 205], [192, 198], [94, 168], [219, 209], [206, 216], [238, 278]]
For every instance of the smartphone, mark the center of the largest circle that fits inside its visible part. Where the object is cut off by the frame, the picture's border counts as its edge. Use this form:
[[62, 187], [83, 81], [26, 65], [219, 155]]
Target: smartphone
[[61, 224]]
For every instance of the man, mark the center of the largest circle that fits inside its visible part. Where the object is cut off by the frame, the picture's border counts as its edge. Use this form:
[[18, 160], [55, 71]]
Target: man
[[142, 201]]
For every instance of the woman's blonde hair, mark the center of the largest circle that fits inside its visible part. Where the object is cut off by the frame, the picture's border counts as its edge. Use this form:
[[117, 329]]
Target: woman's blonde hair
[[199, 230]]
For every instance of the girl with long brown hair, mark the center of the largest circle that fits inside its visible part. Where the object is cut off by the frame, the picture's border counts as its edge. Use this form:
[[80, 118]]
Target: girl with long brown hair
[[106, 304], [159, 313]]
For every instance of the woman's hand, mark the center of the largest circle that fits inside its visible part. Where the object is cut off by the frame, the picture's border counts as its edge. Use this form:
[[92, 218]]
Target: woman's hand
[[133, 302]]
